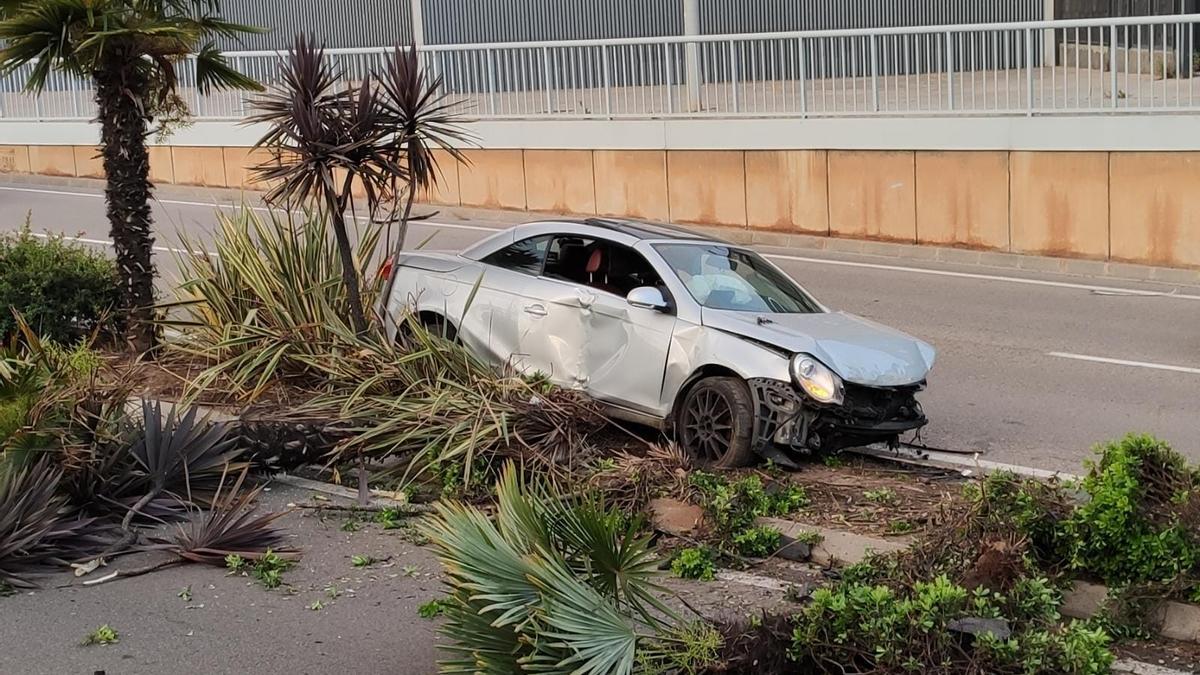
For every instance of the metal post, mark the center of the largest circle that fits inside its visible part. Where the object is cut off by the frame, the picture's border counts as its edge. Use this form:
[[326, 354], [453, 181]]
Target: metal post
[[802, 66], [670, 88], [874, 77], [691, 28], [1112, 60], [733, 74], [950, 69], [607, 81], [1049, 49], [546, 79], [1029, 69], [418, 23], [491, 81]]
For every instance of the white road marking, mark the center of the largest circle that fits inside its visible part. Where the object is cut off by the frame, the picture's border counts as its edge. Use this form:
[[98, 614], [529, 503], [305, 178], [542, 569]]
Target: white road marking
[[1113, 290], [1123, 362], [105, 242], [217, 205], [988, 277]]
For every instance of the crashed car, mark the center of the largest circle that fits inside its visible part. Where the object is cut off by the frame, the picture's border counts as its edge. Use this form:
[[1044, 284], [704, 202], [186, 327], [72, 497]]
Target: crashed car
[[673, 329]]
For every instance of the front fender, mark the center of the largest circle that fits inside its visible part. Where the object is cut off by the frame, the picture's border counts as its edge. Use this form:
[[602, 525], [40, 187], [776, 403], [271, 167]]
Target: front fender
[[699, 349]]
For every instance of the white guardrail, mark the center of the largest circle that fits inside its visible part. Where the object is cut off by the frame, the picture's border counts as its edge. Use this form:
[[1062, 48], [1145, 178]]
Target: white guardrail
[[1094, 66]]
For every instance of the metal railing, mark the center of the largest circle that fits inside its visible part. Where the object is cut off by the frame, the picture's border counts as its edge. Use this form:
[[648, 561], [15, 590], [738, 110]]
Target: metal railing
[[1095, 66]]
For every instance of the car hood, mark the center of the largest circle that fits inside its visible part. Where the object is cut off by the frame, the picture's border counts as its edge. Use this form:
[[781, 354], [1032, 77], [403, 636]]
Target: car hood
[[859, 350]]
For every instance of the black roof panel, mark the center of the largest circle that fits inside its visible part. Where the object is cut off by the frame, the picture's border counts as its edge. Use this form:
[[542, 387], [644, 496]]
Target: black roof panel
[[645, 230]]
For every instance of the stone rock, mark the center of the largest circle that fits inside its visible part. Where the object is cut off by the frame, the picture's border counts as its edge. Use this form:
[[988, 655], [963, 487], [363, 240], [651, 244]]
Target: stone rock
[[794, 549], [976, 626], [675, 517]]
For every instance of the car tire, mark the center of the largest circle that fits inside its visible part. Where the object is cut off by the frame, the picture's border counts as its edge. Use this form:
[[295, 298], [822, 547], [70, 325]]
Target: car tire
[[715, 423]]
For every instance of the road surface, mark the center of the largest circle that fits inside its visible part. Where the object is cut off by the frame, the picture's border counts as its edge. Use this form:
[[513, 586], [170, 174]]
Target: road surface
[[1033, 368]]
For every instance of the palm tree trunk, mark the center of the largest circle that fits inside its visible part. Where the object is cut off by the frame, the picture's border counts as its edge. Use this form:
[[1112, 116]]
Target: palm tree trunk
[[121, 92]]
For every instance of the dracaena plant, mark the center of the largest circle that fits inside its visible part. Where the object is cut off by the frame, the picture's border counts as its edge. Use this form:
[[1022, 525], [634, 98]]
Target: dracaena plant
[[327, 138], [131, 50]]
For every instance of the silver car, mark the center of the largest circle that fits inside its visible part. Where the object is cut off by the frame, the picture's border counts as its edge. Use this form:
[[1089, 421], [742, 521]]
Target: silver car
[[673, 329]]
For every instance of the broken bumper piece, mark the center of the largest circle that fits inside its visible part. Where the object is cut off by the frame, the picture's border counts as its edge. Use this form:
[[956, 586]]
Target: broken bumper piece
[[786, 419]]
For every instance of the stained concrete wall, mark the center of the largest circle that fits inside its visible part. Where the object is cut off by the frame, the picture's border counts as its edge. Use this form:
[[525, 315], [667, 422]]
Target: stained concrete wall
[[1128, 206]]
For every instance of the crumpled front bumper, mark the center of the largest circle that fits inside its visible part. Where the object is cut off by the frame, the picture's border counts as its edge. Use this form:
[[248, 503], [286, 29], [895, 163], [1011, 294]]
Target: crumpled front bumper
[[785, 419]]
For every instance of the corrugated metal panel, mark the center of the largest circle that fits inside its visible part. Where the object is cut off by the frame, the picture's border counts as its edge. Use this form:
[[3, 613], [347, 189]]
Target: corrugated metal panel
[[759, 16], [373, 23], [474, 21], [339, 23]]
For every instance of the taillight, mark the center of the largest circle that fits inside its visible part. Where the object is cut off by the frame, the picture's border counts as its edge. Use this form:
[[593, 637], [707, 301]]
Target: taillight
[[385, 270]]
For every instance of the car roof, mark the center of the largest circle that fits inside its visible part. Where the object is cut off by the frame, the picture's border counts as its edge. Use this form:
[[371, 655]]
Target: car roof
[[626, 231], [646, 230]]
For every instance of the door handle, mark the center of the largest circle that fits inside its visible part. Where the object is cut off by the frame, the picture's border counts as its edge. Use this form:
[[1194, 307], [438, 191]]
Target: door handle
[[536, 310]]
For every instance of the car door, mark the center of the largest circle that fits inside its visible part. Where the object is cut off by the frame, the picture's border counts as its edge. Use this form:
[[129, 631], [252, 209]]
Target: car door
[[579, 329], [489, 325]]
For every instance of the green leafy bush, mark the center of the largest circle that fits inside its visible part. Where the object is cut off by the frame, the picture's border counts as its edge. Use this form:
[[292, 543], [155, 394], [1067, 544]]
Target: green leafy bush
[[862, 627], [62, 289], [1140, 521], [758, 542], [733, 506], [694, 563]]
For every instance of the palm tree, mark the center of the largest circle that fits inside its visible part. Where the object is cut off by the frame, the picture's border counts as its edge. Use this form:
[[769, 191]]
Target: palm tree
[[325, 136], [130, 49]]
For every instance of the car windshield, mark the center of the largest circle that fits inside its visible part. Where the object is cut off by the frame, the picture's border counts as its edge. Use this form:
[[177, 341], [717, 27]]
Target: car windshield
[[721, 277]]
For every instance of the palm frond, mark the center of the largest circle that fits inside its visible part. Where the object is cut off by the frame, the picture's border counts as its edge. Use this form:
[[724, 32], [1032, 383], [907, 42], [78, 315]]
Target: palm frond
[[529, 595], [214, 72]]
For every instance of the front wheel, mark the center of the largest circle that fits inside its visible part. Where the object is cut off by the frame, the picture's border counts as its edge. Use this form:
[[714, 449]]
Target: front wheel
[[715, 423]]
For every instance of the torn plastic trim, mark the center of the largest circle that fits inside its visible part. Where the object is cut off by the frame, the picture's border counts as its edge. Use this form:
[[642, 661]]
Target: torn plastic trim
[[785, 419]]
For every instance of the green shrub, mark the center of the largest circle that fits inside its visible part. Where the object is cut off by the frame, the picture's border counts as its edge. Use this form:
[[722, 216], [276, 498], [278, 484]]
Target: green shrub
[[733, 506], [63, 290], [864, 627], [694, 563], [758, 542], [1139, 523]]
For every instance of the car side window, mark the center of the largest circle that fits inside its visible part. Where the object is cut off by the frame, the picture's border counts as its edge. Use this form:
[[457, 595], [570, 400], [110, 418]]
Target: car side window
[[599, 264], [525, 256]]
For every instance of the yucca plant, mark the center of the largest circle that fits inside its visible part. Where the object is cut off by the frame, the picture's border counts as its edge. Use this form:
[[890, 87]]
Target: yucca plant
[[38, 527], [552, 585], [270, 305], [324, 139], [230, 527], [426, 119]]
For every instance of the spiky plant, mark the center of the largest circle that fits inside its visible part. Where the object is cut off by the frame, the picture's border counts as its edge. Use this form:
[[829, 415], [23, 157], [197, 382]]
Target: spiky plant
[[230, 527], [425, 119], [38, 527], [131, 50], [271, 304], [323, 140], [553, 585]]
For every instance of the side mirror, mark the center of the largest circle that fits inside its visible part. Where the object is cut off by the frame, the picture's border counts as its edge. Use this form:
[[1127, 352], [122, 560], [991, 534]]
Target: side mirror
[[647, 297]]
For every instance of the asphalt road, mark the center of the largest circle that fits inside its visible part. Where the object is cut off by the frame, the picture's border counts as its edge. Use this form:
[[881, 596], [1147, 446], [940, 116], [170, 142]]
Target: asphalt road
[[1016, 377]]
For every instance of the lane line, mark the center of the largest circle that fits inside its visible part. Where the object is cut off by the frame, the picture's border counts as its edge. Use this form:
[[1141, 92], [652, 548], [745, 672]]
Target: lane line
[[1114, 290], [987, 277], [104, 242], [1124, 362], [228, 207]]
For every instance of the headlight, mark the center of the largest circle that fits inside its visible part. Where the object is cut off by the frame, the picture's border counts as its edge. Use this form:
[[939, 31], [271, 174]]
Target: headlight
[[816, 379]]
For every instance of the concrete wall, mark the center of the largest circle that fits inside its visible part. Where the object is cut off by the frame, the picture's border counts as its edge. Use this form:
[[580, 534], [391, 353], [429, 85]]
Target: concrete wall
[[1137, 207]]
